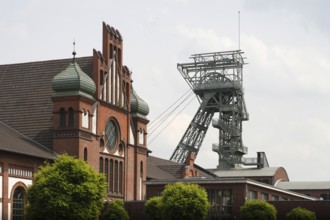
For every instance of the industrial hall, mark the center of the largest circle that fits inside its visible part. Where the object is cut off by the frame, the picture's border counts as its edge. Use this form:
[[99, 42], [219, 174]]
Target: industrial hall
[[87, 107]]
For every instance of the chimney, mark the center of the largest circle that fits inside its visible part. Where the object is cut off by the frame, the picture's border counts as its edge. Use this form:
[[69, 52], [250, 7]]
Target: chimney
[[189, 170]]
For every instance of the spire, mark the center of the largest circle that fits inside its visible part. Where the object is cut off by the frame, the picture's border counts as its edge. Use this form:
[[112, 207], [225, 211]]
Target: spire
[[74, 51]]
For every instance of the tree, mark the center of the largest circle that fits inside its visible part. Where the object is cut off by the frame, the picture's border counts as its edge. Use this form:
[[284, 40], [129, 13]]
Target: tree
[[300, 214], [257, 210], [115, 211], [184, 201], [67, 189], [153, 208]]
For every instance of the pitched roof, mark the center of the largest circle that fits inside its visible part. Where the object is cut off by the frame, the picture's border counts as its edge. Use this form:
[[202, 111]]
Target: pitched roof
[[245, 172], [25, 96], [15, 142], [304, 185], [161, 169], [158, 168]]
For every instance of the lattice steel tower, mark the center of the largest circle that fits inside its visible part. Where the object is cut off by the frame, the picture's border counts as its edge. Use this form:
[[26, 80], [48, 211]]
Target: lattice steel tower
[[217, 80]]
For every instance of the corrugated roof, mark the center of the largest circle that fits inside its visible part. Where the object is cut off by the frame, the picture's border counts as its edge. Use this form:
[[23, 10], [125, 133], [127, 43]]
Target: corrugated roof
[[25, 96], [15, 142], [245, 172], [304, 185]]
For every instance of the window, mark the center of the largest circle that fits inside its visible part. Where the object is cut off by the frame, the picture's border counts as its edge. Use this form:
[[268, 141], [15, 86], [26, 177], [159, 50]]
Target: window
[[111, 134], [85, 154], [101, 143], [226, 202], [111, 176], [324, 196], [116, 177], [62, 117], [141, 179], [101, 165], [274, 198], [121, 148], [141, 137], [121, 177], [106, 169], [221, 204], [18, 203], [85, 119], [71, 120], [252, 195], [264, 196]]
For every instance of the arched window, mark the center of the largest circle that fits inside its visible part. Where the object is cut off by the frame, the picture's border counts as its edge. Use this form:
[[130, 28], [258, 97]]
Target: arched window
[[101, 165], [111, 134], [116, 177], [85, 154], [62, 117], [111, 176], [141, 179], [106, 169], [18, 203], [141, 137], [121, 177], [85, 119], [71, 120]]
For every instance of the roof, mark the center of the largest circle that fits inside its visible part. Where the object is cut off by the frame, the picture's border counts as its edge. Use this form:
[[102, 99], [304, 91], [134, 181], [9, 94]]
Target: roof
[[73, 81], [15, 142], [246, 172], [217, 181], [139, 107], [25, 96], [162, 169], [304, 185]]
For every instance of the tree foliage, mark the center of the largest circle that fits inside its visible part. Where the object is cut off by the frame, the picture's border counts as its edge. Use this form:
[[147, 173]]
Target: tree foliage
[[67, 189], [153, 208], [184, 201], [257, 210], [115, 211], [300, 214]]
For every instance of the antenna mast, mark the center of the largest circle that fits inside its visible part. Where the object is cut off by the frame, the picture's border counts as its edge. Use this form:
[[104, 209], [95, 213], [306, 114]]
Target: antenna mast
[[239, 30]]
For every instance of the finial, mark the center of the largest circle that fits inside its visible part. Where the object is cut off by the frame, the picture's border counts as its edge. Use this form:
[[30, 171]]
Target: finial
[[74, 51]]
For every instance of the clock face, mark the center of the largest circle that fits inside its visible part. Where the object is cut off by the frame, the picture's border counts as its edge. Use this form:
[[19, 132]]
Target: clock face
[[111, 135]]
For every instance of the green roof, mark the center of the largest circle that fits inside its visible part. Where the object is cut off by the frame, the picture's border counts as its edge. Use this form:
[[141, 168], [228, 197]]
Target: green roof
[[139, 108], [72, 82]]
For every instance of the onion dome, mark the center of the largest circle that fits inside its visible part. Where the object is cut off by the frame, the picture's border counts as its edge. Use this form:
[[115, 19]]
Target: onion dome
[[73, 81], [139, 108]]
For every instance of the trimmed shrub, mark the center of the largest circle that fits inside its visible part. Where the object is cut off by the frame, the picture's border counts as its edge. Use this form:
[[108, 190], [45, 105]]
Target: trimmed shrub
[[184, 202], [115, 211], [69, 188], [300, 214], [153, 208], [257, 210]]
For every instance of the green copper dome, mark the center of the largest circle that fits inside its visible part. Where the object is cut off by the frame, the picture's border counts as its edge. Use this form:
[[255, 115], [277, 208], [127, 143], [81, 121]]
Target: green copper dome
[[139, 108], [73, 81]]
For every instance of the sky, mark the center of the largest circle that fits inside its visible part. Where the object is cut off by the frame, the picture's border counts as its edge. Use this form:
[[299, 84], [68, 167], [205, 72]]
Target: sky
[[286, 80]]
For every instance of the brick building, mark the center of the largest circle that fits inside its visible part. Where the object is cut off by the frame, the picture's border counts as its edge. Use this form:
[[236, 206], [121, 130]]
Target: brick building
[[227, 189], [85, 107]]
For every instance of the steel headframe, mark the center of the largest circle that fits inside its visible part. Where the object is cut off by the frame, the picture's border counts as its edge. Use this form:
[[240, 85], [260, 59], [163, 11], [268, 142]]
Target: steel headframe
[[217, 80]]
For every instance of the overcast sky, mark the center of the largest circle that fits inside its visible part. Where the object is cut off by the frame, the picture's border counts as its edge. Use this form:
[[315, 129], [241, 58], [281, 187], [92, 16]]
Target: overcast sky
[[286, 81]]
